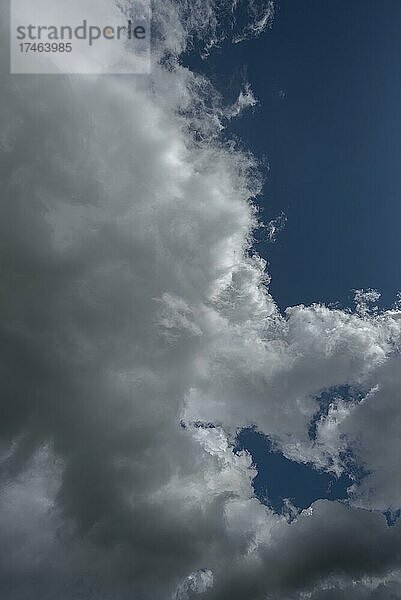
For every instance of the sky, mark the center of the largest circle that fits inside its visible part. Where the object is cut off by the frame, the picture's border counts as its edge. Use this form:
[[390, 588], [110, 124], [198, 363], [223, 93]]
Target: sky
[[195, 402], [326, 128]]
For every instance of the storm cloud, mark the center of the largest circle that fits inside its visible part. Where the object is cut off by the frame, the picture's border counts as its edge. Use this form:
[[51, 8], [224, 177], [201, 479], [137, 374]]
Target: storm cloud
[[138, 335]]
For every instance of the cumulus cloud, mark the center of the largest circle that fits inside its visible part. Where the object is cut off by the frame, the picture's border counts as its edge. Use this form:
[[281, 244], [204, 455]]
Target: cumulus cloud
[[138, 335]]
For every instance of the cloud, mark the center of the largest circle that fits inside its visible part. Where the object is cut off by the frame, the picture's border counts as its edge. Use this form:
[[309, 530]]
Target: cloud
[[181, 25], [132, 310], [196, 583], [275, 226], [327, 543]]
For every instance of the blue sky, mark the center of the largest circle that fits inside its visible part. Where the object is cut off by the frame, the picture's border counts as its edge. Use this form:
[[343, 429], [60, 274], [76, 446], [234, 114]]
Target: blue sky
[[328, 78], [279, 478], [328, 130]]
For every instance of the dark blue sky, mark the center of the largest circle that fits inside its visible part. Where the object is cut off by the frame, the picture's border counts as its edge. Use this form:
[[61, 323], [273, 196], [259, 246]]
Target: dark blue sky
[[328, 78], [279, 478], [333, 143]]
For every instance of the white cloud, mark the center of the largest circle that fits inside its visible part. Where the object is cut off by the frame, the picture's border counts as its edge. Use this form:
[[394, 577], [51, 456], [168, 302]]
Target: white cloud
[[198, 583]]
